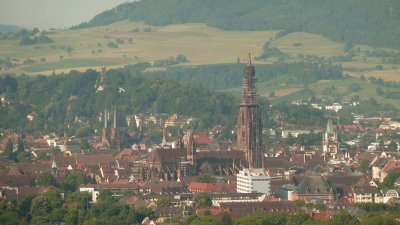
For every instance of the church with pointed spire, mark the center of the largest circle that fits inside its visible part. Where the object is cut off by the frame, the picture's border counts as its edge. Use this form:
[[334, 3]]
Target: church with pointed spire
[[249, 126], [330, 143]]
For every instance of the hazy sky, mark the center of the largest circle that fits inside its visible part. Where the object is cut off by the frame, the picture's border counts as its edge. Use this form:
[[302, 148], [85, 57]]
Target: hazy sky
[[46, 14]]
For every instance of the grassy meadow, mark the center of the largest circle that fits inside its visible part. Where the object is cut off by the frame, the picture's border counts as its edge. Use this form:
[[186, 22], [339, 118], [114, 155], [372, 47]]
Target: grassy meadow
[[199, 43]]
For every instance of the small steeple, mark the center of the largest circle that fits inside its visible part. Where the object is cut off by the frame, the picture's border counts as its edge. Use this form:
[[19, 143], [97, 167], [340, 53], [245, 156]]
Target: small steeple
[[115, 117], [164, 137], [54, 164], [329, 127], [54, 168], [105, 119], [249, 60]]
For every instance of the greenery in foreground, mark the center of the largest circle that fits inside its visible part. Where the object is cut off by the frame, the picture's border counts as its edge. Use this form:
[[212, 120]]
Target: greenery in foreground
[[349, 21], [75, 209]]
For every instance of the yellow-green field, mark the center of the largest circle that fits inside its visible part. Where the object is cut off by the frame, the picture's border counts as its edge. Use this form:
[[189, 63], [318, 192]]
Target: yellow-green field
[[308, 44], [199, 43]]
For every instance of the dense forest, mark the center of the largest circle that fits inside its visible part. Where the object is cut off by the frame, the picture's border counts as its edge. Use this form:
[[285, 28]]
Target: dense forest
[[376, 23], [222, 76]]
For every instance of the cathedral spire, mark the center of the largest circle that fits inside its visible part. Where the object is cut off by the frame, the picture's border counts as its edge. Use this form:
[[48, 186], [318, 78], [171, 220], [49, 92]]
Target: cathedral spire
[[249, 93], [249, 127]]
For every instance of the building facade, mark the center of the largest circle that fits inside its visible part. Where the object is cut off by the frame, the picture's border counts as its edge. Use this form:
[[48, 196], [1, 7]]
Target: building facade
[[253, 181]]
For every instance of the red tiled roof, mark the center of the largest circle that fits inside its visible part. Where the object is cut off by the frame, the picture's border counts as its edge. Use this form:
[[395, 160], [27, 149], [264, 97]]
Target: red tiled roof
[[390, 165], [323, 215], [211, 187], [202, 140]]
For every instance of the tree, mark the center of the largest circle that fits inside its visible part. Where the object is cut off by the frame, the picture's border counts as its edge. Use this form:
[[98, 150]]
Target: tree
[[392, 146], [26, 40], [20, 147], [45, 179], [348, 46], [364, 164], [43, 59], [390, 179], [343, 218], [72, 181], [354, 87], [40, 206], [271, 94], [69, 50], [203, 220], [205, 178], [202, 200], [225, 219], [72, 217], [164, 202], [9, 149]]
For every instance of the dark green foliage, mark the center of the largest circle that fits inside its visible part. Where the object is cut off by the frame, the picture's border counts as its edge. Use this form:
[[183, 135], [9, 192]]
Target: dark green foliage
[[8, 84], [364, 164], [205, 178], [308, 140], [354, 87], [164, 201], [390, 179], [371, 22], [73, 180], [27, 41], [222, 76], [202, 200], [171, 61], [272, 52], [48, 97], [112, 45], [300, 115], [373, 207], [45, 179], [204, 220], [42, 39]]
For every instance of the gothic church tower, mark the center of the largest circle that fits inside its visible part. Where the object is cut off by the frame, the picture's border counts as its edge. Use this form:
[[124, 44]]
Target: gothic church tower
[[249, 127]]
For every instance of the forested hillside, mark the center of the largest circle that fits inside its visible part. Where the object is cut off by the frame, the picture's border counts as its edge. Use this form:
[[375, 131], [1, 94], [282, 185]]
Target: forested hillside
[[58, 100], [376, 23], [222, 76], [4, 28]]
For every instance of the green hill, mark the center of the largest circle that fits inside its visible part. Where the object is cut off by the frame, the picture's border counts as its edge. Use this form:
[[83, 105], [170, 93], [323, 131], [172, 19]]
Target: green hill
[[376, 23], [4, 28]]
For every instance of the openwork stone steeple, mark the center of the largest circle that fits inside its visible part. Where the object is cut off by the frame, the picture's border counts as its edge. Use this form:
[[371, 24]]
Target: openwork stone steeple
[[249, 127]]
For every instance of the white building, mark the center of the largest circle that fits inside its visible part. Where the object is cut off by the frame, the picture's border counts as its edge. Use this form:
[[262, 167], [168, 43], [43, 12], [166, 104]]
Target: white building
[[253, 181], [92, 191]]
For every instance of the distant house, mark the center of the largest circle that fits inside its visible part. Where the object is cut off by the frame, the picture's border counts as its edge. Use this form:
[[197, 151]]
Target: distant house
[[239, 209], [366, 194], [218, 187]]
